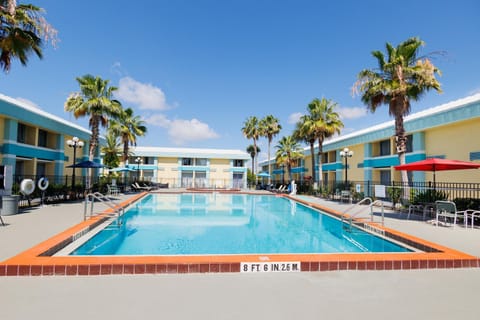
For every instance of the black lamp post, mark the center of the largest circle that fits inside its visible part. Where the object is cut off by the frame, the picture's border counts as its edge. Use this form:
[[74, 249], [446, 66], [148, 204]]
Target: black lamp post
[[74, 143], [346, 153], [138, 160]]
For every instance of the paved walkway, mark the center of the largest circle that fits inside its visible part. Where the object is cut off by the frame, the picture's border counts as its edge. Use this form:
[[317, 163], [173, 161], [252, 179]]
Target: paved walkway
[[415, 294]]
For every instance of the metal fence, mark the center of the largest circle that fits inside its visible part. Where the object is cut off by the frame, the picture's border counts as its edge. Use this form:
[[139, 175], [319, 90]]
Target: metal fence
[[98, 183], [412, 192]]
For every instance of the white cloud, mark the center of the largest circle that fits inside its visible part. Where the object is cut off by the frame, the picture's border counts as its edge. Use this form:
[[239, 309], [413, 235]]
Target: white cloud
[[181, 131], [351, 113], [294, 117], [28, 102], [117, 69], [145, 96], [159, 120]]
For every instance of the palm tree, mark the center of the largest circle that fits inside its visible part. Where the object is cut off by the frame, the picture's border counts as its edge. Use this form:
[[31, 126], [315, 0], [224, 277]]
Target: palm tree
[[22, 31], [128, 128], [304, 133], [269, 128], [94, 100], [324, 122], [288, 151], [401, 76], [251, 130], [252, 150], [111, 151]]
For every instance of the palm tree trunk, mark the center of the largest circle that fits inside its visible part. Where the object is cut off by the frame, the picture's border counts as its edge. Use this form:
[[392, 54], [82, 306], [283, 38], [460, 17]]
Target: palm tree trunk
[[269, 164], [320, 171], [93, 138], [256, 160], [401, 146], [312, 153], [125, 152], [92, 147]]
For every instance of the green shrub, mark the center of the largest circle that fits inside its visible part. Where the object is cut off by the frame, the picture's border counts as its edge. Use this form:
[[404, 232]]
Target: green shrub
[[429, 196], [467, 203], [395, 193]]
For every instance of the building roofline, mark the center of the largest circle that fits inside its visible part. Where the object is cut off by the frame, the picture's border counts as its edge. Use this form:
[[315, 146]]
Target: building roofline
[[449, 106], [414, 116], [190, 152], [42, 113]]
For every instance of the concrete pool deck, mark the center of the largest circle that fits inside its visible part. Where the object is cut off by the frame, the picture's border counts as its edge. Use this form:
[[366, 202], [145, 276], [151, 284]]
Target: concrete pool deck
[[432, 293]]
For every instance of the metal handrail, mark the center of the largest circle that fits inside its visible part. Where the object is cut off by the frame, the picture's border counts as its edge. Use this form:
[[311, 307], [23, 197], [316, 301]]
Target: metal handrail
[[354, 206], [372, 203], [383, 211], [119, 210]]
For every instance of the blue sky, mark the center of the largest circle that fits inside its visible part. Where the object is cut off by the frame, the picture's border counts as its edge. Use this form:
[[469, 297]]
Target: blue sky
[[196, 69]]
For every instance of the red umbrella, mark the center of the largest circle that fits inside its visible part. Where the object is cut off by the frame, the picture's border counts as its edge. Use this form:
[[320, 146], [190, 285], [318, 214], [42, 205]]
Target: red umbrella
[[436, 164]]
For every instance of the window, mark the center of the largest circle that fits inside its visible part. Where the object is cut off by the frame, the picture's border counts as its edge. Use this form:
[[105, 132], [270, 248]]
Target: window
[[21, 133], [148, 160], [201, 162], [187, 161], [41, 169], [409, 143], [238, 163], [19, 169], [385, 148], [42, 138], [325, 157], [385, 177]]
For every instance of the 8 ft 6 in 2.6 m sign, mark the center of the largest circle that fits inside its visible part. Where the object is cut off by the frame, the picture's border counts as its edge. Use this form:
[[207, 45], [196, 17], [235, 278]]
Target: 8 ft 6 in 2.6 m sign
[[254, 267]]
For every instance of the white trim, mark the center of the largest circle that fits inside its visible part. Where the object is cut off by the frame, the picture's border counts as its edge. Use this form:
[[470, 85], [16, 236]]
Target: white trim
[[42, 113]]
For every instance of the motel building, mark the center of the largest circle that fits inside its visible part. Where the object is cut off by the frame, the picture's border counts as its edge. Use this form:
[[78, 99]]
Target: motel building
[[447, 131], [190, 167], [34, 143]]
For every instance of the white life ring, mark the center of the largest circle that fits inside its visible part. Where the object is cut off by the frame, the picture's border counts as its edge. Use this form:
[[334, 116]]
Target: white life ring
[[27, 186], [42, 184]]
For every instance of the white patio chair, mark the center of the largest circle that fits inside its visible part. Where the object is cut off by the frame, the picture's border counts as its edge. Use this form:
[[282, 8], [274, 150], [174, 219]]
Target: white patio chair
[[113, 190], [448, 210], [471, 214]]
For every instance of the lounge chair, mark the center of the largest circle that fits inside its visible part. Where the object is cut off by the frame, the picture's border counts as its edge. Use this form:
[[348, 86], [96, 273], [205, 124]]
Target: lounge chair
[[345, 196], [113, 190], [448, 210], [139, 187]]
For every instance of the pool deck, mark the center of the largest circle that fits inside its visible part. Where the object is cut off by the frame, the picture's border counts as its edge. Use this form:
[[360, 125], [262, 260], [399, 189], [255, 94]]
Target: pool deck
[[420, 293]]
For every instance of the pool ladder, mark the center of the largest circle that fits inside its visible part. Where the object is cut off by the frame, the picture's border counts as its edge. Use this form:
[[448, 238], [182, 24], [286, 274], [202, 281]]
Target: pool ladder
[[118, 210], [357, 205]]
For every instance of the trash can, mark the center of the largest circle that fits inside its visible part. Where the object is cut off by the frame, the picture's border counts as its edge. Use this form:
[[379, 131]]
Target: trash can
[[10, 205]]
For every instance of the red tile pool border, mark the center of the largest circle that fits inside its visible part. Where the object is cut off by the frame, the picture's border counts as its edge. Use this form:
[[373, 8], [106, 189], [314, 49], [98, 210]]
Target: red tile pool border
[[35, 262]]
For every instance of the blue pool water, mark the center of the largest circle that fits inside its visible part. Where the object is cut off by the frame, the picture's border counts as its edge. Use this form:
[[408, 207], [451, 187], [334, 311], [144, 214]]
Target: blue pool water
[[192, 224]]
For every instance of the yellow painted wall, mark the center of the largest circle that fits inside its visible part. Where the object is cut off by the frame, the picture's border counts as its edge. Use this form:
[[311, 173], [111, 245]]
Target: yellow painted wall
[[31, 135], [220, 172], [168, 169], [455, 142], [51, 140], [354, 173]]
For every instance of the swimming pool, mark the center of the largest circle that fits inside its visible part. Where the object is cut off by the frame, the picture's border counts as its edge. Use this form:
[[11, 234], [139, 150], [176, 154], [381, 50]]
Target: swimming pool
[[217, 224]]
